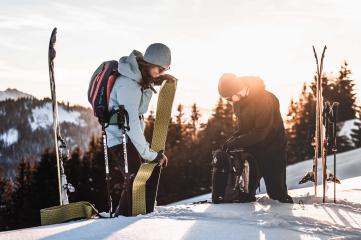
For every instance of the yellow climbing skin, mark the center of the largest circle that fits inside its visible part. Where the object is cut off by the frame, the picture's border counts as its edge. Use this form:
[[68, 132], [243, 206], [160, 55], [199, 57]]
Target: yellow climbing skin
[[163, 115], [63, 213]]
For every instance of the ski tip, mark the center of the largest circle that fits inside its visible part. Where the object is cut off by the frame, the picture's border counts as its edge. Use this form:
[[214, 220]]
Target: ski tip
[[55, 29]]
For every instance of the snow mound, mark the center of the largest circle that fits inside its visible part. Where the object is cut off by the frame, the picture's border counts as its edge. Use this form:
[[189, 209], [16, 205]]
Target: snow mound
[[42, 117], [10, 137]]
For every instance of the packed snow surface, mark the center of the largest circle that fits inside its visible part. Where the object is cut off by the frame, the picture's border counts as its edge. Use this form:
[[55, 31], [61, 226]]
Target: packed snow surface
[[307, 218]]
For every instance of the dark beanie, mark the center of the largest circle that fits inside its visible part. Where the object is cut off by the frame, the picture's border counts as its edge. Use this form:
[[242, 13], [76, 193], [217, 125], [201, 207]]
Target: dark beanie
[[229, 84]]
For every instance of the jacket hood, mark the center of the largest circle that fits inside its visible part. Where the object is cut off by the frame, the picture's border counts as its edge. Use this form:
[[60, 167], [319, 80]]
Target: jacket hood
[[128, 66]]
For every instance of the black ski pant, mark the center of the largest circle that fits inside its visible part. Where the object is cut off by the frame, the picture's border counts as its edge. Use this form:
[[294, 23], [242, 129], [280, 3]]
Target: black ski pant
[[117, 174], [272, 166]]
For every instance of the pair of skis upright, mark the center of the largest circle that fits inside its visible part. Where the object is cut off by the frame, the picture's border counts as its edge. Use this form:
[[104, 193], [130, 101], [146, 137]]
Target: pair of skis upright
[[325, 115]]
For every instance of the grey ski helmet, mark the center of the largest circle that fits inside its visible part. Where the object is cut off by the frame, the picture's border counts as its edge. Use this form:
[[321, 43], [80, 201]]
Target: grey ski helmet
[[158, 54]]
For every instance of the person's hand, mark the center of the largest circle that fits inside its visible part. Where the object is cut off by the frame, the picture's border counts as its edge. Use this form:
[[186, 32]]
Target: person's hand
[[161, 159], [168, 77]]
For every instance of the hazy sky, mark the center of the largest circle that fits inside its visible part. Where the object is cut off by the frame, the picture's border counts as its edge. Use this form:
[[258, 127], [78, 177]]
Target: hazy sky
[[269, 38]]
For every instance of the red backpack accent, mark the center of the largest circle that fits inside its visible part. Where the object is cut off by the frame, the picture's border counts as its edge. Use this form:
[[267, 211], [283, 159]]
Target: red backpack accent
[[100, 87]]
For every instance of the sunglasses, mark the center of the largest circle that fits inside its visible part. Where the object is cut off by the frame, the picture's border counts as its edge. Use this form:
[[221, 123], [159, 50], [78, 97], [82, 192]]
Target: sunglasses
[[162, 69], [229, 99], [236, 97]]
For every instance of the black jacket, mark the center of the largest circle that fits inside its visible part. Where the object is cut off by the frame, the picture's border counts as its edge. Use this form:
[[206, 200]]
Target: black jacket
[[260, 125]]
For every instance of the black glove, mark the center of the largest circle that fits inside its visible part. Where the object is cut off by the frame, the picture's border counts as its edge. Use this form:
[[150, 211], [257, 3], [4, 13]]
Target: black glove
[[161, 159], [163, 77]]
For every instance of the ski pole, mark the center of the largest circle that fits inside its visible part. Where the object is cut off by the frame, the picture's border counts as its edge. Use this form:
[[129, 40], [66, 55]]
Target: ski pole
[[326, 115], [102, 121], [334, 145], [107, 174], [123, 124]]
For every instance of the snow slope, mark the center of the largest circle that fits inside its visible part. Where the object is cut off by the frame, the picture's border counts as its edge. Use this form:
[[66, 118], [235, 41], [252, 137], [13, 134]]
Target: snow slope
[[347, 128], [308, 218], [42, 117]]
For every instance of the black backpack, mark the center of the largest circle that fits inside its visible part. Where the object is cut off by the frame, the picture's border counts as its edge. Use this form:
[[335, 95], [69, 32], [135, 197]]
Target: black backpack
[[235, 176], [100, 87]]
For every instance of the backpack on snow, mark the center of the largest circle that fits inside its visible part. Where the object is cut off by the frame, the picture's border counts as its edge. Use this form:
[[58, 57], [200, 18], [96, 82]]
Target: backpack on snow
[[235, 176], [100, 87]]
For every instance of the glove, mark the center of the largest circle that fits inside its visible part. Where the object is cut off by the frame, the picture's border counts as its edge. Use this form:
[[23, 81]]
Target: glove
[[163, 77], [161, 159]]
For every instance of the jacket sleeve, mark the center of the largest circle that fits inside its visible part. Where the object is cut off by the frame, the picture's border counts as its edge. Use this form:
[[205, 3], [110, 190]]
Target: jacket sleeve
[[130, 96], [264, 120]]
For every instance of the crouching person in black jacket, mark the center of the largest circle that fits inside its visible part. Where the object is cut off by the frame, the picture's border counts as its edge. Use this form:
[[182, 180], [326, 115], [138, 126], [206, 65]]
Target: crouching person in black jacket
[[260, 130]]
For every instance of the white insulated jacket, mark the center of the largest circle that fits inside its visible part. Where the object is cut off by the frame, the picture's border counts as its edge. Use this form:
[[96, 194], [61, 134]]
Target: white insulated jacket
[[128, 92]]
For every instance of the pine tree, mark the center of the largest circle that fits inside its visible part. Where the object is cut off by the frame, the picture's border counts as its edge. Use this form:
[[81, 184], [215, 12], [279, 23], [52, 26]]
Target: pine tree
[[6, 204], [195, 115], [93, 178], [300, 126], [356, 132], [73, 170], [45, 183], [344, 93], [24, 212]]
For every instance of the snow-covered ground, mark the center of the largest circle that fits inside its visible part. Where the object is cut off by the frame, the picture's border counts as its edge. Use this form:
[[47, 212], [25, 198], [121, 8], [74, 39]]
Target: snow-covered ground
[[308, 218], [347, 128], [42, 117], [10, 137]]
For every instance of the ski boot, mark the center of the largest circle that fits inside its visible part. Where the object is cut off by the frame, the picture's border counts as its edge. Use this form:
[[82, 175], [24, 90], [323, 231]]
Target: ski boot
[[307, 178], [331, 178]]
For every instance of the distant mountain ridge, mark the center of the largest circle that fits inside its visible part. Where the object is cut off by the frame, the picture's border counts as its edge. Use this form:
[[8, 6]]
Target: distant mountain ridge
[[14, 94], [26, 128]]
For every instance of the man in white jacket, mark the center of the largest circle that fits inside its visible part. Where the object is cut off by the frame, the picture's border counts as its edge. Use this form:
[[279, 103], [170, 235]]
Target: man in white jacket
[[134, 89]]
